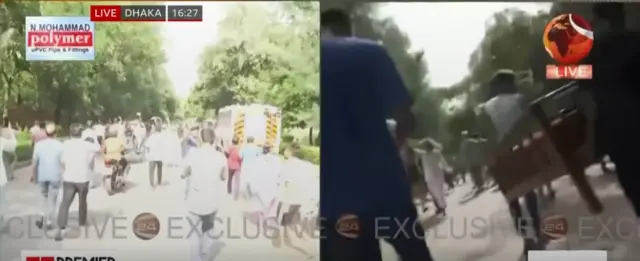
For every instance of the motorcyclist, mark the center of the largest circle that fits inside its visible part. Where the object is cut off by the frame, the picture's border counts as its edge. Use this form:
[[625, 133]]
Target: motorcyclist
[[113, 148]]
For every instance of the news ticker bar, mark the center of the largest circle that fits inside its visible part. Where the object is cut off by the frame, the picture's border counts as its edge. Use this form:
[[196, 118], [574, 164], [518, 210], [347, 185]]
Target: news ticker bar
[[146, 13]]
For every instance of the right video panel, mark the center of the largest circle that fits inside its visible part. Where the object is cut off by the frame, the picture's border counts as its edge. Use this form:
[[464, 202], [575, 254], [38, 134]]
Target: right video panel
[[460, 131]]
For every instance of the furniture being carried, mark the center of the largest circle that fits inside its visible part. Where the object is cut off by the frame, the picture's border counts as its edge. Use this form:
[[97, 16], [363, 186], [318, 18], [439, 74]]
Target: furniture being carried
[[561, 144]]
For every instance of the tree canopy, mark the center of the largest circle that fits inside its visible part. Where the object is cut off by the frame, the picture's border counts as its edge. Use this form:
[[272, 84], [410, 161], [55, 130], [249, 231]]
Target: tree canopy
[[510, 42], [411, 64], [126, 77], [265, 53]]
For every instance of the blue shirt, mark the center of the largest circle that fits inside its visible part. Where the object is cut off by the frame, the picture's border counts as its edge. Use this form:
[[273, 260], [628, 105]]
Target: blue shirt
[[361, 168], [249, 152], [47, 156]]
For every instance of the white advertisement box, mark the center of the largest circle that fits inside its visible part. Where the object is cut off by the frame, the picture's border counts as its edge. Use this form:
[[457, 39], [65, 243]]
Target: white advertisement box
[[59, 38]]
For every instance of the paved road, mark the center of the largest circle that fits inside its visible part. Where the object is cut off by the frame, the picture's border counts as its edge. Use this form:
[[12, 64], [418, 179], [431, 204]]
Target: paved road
[[455, 238], [165, 202]]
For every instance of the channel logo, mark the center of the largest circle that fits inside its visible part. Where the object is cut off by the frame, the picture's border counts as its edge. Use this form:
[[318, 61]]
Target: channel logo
[[568, 39], [348, 226], [555, 226]]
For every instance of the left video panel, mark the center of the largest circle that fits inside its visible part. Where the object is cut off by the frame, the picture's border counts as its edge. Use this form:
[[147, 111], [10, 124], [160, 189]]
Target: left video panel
[[159, 130]]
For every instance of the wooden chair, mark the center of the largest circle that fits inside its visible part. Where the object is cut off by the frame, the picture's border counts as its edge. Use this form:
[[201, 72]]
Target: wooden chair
[[563, 145]]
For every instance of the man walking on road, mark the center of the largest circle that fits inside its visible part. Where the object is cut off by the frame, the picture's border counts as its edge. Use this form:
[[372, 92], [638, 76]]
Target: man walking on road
[[9, 157], [89, 135], [250, 151], [77, 155], [265, 184], [361, 89], [472, 153], [47, 173], [207, 169], [7, 144], [155, 155], [615, 57], [37, 132], [293, 179], [233, 157]]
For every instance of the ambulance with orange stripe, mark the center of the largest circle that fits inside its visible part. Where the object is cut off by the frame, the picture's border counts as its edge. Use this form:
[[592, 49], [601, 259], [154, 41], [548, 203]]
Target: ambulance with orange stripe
[[262, 122]]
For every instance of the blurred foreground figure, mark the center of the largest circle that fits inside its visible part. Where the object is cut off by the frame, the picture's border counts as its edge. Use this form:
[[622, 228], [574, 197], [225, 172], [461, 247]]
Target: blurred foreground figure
[[363, 181], [498, 117], [8, 143], [77, 156], [432, 165], [472, 151], [47, 173], [293, 189], [615, 86], [207, 170]]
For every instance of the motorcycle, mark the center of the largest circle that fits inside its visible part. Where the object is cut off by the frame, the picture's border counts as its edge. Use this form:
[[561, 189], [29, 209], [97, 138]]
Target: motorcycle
[[114, 176]]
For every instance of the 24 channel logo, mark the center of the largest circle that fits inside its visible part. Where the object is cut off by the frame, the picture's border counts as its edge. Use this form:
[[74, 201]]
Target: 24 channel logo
[[568, 39]]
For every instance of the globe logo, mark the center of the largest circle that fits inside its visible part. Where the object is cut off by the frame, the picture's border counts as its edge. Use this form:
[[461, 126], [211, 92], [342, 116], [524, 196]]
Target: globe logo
[[568, 38]]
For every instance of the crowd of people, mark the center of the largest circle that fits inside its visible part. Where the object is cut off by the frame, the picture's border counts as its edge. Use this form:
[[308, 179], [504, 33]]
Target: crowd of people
[[65, 168]]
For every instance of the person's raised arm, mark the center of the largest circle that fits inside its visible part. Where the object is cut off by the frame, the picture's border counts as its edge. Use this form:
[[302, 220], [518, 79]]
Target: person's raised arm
[[393, 95]]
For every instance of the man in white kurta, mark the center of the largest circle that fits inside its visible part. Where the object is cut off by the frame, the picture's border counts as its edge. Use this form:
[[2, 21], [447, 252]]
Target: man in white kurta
[[7, 144], [432, 163]]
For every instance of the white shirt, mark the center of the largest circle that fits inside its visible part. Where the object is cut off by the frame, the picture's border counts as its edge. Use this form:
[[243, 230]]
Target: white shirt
[[139, 132], [206, 188], [77, 156], [34, 130], [504, 110], [99, 129], [432, 163], [89, 133], [8, 145], [155, 147]]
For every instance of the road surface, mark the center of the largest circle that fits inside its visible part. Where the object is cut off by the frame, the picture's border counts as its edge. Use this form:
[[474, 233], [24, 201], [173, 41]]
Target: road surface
[[453, 238], [165, 202]]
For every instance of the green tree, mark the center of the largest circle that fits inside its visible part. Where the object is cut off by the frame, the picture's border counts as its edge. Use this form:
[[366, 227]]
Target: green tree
[[126, 77], [511, 41], [266, 53], [411, 65]]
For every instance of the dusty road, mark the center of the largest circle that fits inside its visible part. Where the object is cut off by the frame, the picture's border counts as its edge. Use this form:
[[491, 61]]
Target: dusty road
[[458, 237], [114, 215]]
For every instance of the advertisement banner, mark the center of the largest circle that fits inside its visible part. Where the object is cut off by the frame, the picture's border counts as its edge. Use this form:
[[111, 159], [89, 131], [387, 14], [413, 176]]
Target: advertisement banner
[[59, 38]]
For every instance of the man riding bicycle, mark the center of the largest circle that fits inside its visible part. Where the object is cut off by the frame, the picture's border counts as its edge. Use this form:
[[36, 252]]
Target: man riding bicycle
[[113, 148]]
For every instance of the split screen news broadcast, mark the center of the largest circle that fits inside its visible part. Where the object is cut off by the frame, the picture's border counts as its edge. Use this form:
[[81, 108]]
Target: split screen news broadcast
[[328, 131]]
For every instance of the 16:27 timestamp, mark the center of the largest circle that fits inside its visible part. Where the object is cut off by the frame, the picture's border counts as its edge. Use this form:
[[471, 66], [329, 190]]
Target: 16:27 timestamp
[[185, 13]]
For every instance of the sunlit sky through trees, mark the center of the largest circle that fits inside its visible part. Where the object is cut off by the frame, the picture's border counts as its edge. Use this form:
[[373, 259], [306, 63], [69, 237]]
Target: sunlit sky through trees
[[429, 26]]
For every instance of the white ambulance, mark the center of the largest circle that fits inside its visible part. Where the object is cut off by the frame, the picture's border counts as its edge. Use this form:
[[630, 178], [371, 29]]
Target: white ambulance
[[261, 122]]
